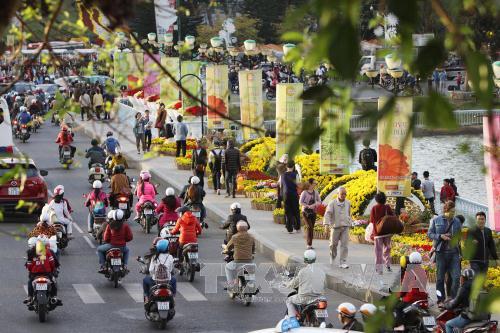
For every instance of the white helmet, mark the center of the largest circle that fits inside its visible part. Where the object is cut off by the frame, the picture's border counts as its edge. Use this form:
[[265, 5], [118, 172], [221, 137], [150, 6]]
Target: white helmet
[[169, 191], [22, 109], [195, 180], [58, 190], [368, 309], [309, 256], [235, 205], [347, 310], [111, 214], [118, 215], [415, 258], [32, 242], [97, 184]]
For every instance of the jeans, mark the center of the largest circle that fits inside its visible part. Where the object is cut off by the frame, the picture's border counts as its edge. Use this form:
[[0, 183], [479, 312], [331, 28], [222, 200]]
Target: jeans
[[457, 322], [180, 144], [292, 213], [147, 136], [310, 228], [339, 235], [216, 179], [231, 179], [140, 140], [148, 282], [98, 110], [102, 249], [447, 262], [382, 252]]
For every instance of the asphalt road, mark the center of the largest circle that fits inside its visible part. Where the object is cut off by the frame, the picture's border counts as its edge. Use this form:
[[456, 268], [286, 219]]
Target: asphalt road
[[91, 304]]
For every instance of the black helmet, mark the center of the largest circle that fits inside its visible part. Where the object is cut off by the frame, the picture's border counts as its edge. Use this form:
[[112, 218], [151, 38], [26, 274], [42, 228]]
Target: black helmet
[[109, 133], [468, 274], [118, 169], [94, 142]]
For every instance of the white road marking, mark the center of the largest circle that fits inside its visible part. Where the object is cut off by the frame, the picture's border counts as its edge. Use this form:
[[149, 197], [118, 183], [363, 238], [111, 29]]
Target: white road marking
[[92, 246], [135, 291], [190, 293], [77, 227], [88, 294]]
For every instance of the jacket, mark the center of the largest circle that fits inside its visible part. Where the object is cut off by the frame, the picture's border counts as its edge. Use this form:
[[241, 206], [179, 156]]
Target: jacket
[[98, 100], [148, 194], [36, 265], [461, 301], [377, 213], [118, 237], [64, 140], [168, 214], [24, 118], [96, 155], [338, 214], [447, 193], [117, 160], [189, 227], [231, 160], [197, 199], [483, 243], [120, 184], [200, 158], [92, 198], [310, 282], [438, 227], [243, 245], [232, 220], [111, 144], [161, 116], [180, 131]]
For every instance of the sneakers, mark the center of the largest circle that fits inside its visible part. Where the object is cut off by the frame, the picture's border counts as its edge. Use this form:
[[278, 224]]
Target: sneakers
[[102, 270], [344, 266]]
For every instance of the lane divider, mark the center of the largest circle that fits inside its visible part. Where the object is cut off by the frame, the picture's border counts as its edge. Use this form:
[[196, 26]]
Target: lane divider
[[87, 239], [88, 294]]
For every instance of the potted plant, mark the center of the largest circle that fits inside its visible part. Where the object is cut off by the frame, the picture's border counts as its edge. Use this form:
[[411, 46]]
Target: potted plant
[[279, 216], [266, 203]]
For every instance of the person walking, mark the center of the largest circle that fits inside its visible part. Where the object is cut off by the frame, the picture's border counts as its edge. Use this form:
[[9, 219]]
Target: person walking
[[147, 129], [442, 81], [435, 78], [180, 135], [215, 164], [199, 160], [85, 104], [139, 133], [232, 166], [367, 156], [445, 231], [288, 184], [98, 102], [309, 202], [459, 80], [429, 191], [161, 116], [382, 242], [338, 217], [447, 192], [484, 245]]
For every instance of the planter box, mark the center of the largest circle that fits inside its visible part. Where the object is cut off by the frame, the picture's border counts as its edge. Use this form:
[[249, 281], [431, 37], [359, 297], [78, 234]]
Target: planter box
[[360, 239], [321, 235], [414, 228], [183, 167], [279, 219], [255, 194]]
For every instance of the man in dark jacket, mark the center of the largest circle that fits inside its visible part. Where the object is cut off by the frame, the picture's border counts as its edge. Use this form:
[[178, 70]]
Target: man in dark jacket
[[199, 161], [461, 301], [367, 156], [95, 153], [233, 219], [484, 245], [231, 165]]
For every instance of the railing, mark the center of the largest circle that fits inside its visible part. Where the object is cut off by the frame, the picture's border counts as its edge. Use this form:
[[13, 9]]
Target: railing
[[465, 207]]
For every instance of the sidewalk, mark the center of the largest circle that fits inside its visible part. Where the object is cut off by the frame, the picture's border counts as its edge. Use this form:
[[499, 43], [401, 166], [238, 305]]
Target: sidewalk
[[273, 241]]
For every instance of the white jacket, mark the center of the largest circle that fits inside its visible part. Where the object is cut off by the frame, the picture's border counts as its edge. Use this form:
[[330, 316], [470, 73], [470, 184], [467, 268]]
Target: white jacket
[[311, 282], [61, 210], [164, 259]]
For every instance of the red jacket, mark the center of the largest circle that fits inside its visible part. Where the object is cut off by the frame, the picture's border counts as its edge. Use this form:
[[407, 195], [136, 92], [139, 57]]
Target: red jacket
[[447, 193], [414, 285], [118, 237], [377, 213], [190, 228], [64, 141], [35, 265], [168, 214]]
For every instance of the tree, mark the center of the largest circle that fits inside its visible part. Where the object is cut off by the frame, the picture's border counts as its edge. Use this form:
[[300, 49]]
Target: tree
[[268, 14], [245, 28]]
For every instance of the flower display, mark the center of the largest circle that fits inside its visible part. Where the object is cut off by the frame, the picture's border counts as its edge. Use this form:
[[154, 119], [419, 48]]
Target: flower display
[[309, 165], [217, 104], [260, 156], [176, 105], [250, 144], [492, 278], [392, 162], [339, 181]]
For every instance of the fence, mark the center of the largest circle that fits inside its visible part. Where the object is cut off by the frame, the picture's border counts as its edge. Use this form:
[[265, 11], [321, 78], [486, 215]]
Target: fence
[[465, 207]]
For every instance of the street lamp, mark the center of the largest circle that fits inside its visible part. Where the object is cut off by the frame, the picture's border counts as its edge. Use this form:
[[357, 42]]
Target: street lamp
[[168, 45], [372, 74], [286, 51], [396, 74]]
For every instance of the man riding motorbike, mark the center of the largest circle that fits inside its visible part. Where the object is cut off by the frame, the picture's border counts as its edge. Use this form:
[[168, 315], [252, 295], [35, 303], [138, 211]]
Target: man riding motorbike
[[461, 301], [310, 283], [145, 191], [97, 201], [242, 244], [233, 219], [110, 144], [64, 138], [189, 228], [120, 184], [62, 209], [194, 196], [118, 159], [23, 117], [347, 313], [96, 154]]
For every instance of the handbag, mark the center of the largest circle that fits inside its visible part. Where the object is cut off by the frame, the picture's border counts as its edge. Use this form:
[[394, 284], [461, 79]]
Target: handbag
[[389, 224], [368, 232], [222, 179]]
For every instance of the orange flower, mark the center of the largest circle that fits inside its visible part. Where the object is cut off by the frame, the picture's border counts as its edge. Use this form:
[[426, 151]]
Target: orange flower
[[218, 105], [392, 162]]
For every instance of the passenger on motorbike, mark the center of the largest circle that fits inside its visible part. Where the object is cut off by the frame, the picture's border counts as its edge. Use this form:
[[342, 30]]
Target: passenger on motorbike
[[168, 206], [62, 209], [23, 117], [461, 302], [367, 311], [160, 270], [189, 228], [194, 196], [145, 191], [120, 184], [110, 144], [233, 219], [96, 154], [64, 138], [44, 226], [347, 313], [310, 283], [96, 201], [242, 244], [118, 159], [117, 234]]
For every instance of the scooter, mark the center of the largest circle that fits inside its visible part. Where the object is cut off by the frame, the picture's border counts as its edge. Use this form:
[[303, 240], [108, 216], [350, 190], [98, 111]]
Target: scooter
[[62, 237], [96, 172], [42, 303], [147, 218], [24, 134], [122, 202], [65, 158], [114, 269]]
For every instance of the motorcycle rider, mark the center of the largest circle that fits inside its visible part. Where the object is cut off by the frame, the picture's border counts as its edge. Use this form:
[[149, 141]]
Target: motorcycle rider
[[310, 283], [367, 311], [189, 228], [242, 244], [461, 301], [62, 209], [117, 234], [96, 154], [194, 196], [110, 144], [233, 219], [347, 313], [120, 184], [97, 201], [64, 138], [23, 117], [168, 206], [145, 191], [118, 159]]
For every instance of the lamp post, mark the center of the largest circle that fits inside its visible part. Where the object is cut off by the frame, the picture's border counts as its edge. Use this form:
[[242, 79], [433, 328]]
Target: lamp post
[[393, 69], [167, 47], [286, 50], [201, 97], [371, 74]]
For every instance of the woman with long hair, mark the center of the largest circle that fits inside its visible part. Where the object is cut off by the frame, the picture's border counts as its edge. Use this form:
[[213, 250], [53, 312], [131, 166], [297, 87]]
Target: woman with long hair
[[168, 204]]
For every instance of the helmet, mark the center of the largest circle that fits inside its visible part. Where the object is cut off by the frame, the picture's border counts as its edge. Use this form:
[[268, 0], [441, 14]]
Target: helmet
[[309, 256], [94, 142], [415, 258], [368, 309], [111, 214], [118, 215], [59, 190], [116, 169], [242, 226], [162, 246], [109, 133], [195, 180], [97, 184], [23, 109], [145, 175], [468, 274], [32, 242], [235, 205], [169, 191], [347, 310]]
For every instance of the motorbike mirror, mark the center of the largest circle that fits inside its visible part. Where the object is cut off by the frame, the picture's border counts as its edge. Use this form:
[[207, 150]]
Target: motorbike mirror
[[44, 173]]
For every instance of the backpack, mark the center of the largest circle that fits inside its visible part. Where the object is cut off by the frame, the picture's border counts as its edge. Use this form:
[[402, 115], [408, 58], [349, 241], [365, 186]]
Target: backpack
[[111, 144], [217, 162], [367, 158], [473, 312], [169, 129], [162, 274]]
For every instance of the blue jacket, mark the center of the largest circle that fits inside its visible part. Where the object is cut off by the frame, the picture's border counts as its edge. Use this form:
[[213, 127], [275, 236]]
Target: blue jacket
[[24, 118], [110, 144], [438, 227]]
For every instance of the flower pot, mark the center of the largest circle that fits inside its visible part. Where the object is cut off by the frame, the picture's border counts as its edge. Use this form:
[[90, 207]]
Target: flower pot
[[279, 219], [321, 235], [253, 205], [183, 166], [268, 206]]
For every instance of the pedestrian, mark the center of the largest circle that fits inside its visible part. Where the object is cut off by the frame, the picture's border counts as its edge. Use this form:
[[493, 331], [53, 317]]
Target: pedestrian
[[161, 115], [459, 80], [85, 105], [415, 182], [98, 101], [447, 192], [139, 133], [482, 240], [382, 242], [147, 129], [309, 202], [445, 231], [442, 81], [435, 78], [429, 191], [231, 162], [367, 156], [199, 160], [169, 129], [454, 186], [288, 184], [180, 135], [382, 74], [215, 164]]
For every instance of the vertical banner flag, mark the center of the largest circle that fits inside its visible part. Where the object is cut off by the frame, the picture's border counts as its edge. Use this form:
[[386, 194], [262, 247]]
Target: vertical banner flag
[[394, 149], [334, 156], [120, 69], [169, 89], [135, 62], [151, 77], [491, 134], [191, 107], [252, 113], [217, 96], [166, 16], [288, 115]]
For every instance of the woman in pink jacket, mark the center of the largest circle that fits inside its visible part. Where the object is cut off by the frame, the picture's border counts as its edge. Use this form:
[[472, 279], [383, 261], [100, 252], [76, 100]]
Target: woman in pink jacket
[[145, 191]]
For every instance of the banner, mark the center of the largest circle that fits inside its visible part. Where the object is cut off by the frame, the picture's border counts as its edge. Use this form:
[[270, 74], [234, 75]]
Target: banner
[[166, 16], [190, 107], [288, 115], [251, 109], [217, 96], [169, 90], [151, 76], [491, 134], [120, 69], [95, 21], [334, 156], [135, 76], [394, 149]]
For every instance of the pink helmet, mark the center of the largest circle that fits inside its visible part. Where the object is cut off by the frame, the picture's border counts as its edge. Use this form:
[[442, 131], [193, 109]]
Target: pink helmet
[[145, 175], [59, 190]]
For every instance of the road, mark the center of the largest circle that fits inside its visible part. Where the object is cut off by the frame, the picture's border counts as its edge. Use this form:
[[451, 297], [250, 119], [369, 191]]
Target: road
[[90, 302]]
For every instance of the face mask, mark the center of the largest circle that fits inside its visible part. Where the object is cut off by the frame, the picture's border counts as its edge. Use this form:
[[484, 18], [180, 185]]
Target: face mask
[[449, 215]]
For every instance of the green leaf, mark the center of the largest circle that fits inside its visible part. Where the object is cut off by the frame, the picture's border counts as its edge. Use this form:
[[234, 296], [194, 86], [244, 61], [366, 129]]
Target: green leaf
[[318, 93], [438, 112], [479, 72], [344, 52], [429, 57], [349, 142], [292, 36]]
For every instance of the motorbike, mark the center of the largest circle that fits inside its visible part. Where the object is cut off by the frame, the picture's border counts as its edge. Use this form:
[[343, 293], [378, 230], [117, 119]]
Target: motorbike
[[15, 125], [147, 217], [161, 306], [173, 240], [62, 237], [24, 133], [122, 202], [196, 210], [416, 317], [235, 89], [190, 265], [114, 269], [42, 302], [246, 288], [99, 217], [96, 172], [65, 158], [107, 165]]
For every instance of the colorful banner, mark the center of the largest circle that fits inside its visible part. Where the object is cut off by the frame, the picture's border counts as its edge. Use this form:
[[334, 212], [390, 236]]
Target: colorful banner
[[120, 69], [151, 76], [491, 134], [251, 109], [135, 73], [95, 21], [169, 89], [166, 16], [333, 152], [288, 115], [217, 96], [190, 107], [394, 149]]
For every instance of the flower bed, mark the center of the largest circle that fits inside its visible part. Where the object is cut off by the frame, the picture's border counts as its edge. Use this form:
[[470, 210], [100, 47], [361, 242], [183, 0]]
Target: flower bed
[[267, 204], [260, 155], [163, 147], [339, 181], [320, 231], [183, 163], [279, 216]]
